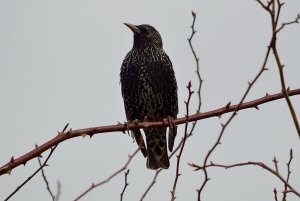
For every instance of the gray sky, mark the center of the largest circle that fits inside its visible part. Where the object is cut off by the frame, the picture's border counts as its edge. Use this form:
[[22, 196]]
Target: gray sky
[[60, 63]]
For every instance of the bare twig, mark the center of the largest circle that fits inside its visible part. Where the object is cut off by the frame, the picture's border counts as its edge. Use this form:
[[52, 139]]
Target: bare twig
[[288, 176], [151, 184], [40, 168], [274, 13], [280, 66], [275, 164], [13, 163], [224, 126], [29, 178], [197, 61], [95, 185], [58, 191], [275, 194], [173, 192], [45, 178], [126, 184], [270, 7], [264, 166], [288, 23]]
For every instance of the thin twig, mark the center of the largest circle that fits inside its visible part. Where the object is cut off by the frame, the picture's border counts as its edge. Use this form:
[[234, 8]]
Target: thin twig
[[272, 44], [40, 168], [151, 184], [126, 184], [58, 192], [224, 126], [264, 166], [190, 92], [29, 178], [95, 185], [197, 62], [275, 18], [288, 23], [45, 178], [275, 161], [275, 194], [274, 15], [288, 175]]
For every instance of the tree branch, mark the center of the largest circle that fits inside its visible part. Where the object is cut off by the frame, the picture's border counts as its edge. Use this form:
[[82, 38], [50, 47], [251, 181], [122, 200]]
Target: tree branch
[[45, 178], [13, 163], [261, 164], [183, 141], [39, 169], [93, 186], [288, 175], [125, 185], [224, 126], [29, 178]]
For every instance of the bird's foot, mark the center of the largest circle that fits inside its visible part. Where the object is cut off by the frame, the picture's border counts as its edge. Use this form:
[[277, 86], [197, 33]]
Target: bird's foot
[[172, 125], [170, 121], [135, 122]]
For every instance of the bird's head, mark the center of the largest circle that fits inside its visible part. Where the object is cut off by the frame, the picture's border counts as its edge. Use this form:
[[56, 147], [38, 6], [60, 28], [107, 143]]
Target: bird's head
[[145, 35]]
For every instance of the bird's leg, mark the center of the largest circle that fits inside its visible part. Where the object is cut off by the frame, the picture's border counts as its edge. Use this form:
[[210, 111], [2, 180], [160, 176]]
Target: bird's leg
[[136, 134], [145, 121], [172, 125], [127, 127], [170, 121], [131, 133], [172, 132]]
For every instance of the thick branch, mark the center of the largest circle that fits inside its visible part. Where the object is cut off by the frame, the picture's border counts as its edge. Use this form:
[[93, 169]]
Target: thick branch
[[123, 127]]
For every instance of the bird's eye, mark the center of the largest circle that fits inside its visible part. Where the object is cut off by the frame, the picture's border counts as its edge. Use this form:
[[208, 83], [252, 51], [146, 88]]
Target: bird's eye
[[144, 30]]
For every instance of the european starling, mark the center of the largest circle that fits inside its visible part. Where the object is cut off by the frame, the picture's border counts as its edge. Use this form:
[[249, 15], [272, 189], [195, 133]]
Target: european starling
[[149, 90]]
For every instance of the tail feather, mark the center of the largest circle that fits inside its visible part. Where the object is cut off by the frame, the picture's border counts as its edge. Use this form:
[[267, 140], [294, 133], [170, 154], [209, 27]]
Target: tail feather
[[140, 141], [157, 148], [171, 137]]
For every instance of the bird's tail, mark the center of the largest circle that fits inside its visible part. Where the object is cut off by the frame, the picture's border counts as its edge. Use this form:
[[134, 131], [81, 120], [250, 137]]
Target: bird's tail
[[140, 141], [157, 148]]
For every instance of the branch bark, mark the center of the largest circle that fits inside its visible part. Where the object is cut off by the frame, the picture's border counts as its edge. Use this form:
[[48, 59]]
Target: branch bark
[[13, 163]]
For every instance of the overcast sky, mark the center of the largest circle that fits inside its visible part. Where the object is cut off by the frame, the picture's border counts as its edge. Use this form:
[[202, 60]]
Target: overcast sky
[[60, 62]]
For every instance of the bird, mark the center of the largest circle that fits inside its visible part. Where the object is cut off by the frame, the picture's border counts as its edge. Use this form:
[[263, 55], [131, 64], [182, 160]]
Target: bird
[[149, 91]]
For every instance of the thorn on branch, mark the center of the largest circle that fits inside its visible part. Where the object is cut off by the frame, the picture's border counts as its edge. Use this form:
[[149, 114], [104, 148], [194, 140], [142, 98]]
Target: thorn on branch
[[228, 105], [12, 159], [65, 128]]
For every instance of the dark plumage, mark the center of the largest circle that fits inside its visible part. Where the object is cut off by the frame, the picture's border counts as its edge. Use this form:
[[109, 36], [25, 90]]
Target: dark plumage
[[149, 89]]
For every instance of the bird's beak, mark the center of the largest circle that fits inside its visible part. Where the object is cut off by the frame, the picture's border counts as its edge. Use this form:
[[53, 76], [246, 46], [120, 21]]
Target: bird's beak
[[133, 28]]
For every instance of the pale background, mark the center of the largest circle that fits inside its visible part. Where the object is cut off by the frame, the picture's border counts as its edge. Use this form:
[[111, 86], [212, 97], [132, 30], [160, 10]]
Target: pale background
[[60, 62]]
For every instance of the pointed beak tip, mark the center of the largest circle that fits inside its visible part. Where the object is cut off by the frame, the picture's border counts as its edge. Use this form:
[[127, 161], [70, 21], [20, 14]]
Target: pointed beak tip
[[133, 28]]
